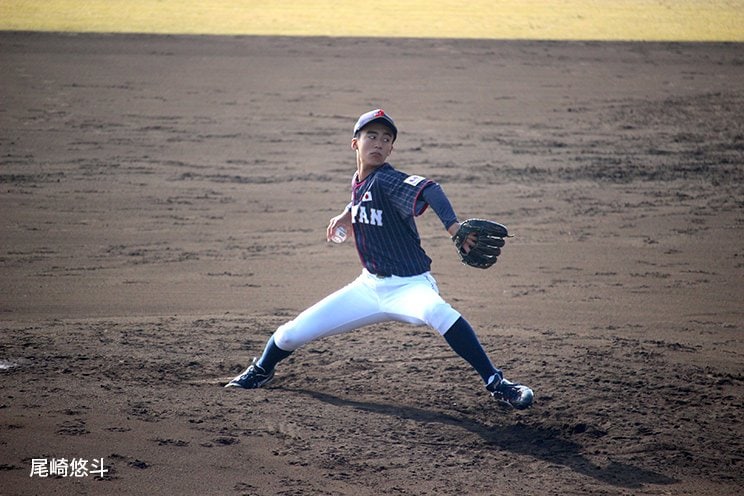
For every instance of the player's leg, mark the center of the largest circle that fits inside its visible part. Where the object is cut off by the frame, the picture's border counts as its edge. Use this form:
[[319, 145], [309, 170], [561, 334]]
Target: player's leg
[[416, 300], [461, 338], [261, 371], [272, 354], [419, 302], [349, 308]]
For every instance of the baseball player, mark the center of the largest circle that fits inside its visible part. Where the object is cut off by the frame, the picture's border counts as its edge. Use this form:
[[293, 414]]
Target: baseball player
[[395, 283]]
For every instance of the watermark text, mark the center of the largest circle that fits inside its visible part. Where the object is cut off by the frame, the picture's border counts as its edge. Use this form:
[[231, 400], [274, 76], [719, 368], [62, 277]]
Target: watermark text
[[67, 467]]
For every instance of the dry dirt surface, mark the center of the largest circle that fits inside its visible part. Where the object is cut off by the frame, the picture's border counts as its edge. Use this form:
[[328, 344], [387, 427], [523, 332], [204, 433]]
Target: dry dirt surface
[[164, 202]]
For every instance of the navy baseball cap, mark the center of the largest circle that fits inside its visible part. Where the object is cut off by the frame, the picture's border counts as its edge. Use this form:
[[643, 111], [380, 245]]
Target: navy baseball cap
[[377, 115]]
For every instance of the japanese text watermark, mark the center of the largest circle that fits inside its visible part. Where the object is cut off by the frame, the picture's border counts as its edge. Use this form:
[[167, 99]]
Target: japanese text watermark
[[67, 467]]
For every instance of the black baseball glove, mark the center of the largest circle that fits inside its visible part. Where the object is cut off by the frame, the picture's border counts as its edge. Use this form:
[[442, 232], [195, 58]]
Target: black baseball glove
[[489, 239]]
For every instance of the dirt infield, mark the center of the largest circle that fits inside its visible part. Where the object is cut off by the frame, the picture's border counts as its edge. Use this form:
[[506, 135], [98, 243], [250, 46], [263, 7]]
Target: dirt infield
[[164, 201]]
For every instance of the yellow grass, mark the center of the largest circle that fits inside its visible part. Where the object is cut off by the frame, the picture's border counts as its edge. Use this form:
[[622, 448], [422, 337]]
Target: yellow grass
[[650, 20]]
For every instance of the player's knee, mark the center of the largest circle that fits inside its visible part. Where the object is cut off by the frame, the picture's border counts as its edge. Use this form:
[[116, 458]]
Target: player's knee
[[442, 316], [287, 338]]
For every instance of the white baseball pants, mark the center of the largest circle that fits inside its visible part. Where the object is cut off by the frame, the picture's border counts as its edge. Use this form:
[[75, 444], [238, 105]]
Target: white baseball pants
[[369, 300]]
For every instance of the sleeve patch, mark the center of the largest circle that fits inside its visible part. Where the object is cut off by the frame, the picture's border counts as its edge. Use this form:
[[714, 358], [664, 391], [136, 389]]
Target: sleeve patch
[[414, 180]]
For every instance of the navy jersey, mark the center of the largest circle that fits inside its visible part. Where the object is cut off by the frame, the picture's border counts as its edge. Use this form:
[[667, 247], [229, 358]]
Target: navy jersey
[[382, 213]]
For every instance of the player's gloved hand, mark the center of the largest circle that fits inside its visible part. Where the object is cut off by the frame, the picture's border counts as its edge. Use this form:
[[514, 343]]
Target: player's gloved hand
[[479, 242]]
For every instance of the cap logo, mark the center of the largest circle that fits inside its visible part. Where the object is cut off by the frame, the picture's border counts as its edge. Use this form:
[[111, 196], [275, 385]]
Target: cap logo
[[373, 115]]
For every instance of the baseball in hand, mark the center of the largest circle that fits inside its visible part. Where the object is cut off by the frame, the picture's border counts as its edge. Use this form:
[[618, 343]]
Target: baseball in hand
[[339, 234]]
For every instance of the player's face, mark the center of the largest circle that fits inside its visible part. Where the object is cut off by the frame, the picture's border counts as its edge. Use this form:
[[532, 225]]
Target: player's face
[[374, 144]]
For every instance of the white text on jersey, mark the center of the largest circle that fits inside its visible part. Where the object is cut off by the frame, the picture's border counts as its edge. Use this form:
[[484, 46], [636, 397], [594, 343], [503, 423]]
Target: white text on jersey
[[360, 213]]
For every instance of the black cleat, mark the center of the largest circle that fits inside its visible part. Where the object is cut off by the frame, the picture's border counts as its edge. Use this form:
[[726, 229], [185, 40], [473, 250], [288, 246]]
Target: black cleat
[[253, 377], [511, 393]]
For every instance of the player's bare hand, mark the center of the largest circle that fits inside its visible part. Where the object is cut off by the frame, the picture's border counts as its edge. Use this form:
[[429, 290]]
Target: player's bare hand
[[469, 242], [343, 219]]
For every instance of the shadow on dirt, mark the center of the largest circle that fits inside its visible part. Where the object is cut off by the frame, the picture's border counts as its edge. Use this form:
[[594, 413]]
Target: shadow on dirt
[[539, 442]]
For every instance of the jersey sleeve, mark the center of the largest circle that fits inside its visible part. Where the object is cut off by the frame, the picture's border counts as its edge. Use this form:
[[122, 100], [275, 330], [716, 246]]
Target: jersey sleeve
[[404, 190], [433, 195]]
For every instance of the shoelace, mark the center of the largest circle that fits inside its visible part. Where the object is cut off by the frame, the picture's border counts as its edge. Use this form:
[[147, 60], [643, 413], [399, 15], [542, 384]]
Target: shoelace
[[510, 391], [254, 374]]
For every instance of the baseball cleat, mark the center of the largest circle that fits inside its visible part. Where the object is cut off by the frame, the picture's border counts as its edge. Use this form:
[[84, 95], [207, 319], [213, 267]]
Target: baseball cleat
[[511, 393], [253, 377]]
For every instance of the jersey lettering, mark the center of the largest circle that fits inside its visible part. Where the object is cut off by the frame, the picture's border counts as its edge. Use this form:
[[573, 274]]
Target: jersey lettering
[[363, 216], [376, 217], [359, 214]]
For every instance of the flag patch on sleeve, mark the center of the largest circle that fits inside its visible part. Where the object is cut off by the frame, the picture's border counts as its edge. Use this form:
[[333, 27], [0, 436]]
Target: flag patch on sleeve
[[413, 180]]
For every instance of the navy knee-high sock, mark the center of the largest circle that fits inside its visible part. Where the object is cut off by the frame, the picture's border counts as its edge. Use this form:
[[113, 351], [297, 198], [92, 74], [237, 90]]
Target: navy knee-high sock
[[463, 340], [272, 355]]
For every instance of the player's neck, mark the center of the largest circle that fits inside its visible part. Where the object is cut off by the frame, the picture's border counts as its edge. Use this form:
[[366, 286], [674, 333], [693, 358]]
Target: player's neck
[[365, 170]]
